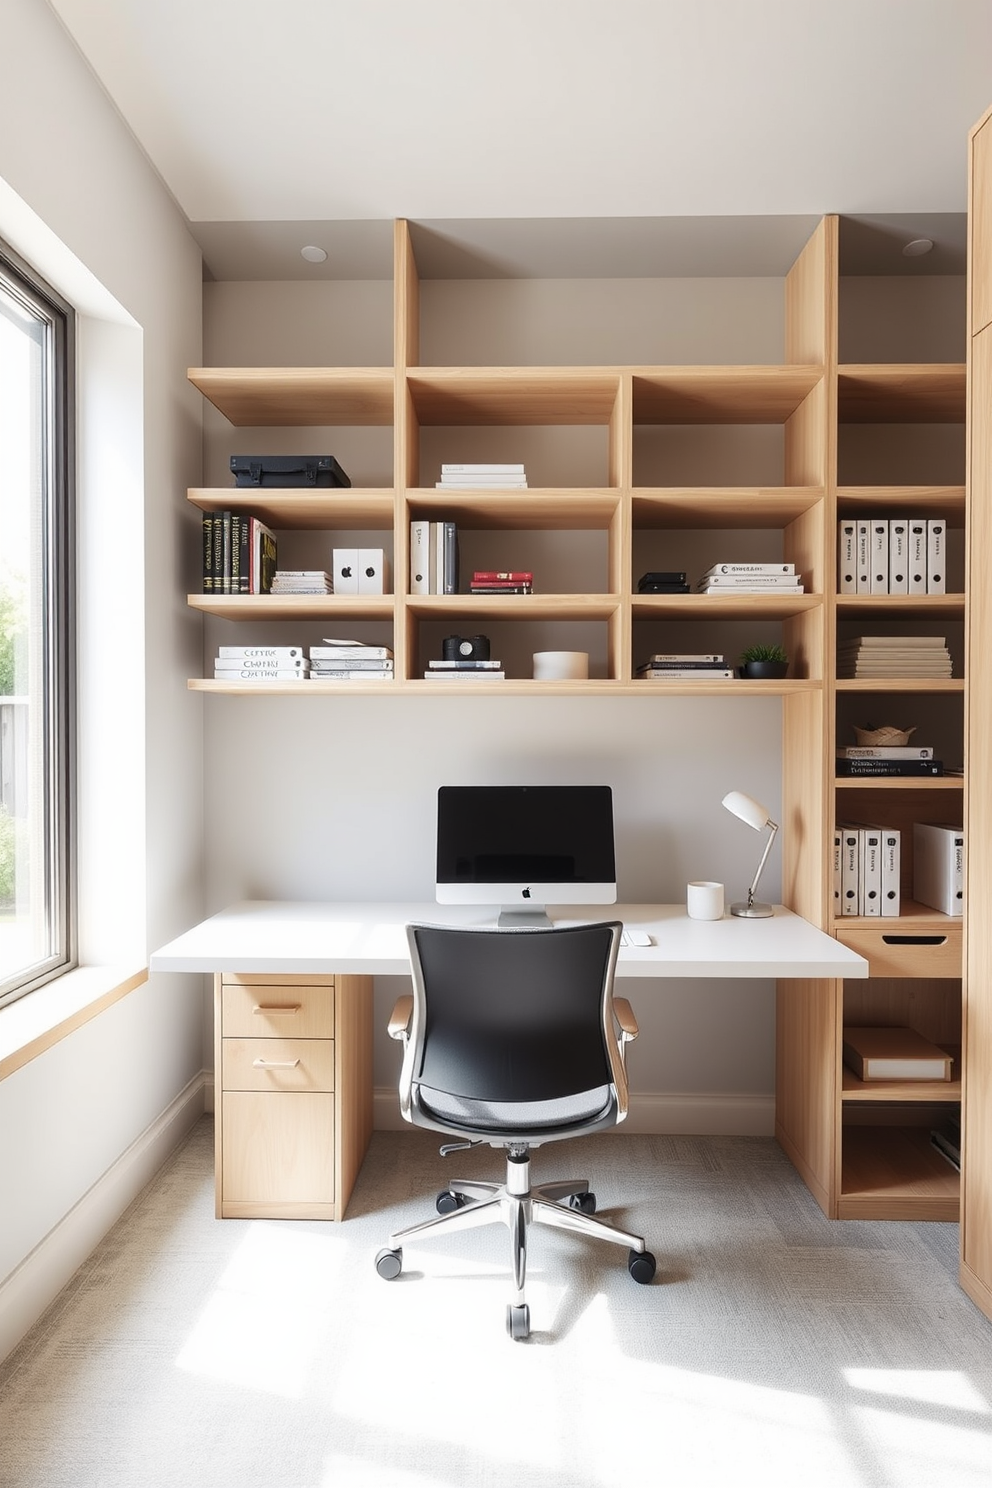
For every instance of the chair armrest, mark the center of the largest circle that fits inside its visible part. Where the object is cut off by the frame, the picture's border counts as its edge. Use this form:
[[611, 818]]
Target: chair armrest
[[399, 1020], [624, 1014]]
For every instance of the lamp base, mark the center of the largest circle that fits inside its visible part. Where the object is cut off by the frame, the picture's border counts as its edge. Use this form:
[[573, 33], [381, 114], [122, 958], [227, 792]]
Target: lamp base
[[753, 911]]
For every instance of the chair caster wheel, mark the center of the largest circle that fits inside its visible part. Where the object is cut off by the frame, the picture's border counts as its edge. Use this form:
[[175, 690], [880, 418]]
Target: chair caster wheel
[[642, 1265], [584, 1202], [447, 1202], [518, 1322], [389, 1263]]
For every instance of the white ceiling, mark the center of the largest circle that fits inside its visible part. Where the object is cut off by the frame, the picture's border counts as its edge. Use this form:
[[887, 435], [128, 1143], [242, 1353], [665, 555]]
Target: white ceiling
[[275, 121]]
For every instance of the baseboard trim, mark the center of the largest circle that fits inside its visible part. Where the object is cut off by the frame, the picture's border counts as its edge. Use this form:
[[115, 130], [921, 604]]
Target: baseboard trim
[[706, 1115], [33, 1285]]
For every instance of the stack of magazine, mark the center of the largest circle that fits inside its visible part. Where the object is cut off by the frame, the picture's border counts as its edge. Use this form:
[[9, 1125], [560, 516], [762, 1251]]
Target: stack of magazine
[[887, 759], [350, 661], [261, 664], [750, 578], [465, 671], [684, 666], [482, 477], [302, 581], [909, 656]]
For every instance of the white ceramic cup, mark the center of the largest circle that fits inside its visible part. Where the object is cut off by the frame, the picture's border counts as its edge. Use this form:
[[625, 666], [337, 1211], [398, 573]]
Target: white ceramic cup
[[560, 666], [704, 900]]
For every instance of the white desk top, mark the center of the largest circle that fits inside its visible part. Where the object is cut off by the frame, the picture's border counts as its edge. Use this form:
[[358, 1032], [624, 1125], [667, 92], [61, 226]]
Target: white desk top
[[369, 939]]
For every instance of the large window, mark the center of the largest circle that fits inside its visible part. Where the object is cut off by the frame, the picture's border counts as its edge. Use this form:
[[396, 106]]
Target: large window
[[37, 938]]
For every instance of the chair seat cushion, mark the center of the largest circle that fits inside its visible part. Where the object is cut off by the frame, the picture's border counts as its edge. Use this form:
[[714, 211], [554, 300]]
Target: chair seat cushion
[[502, 1116]]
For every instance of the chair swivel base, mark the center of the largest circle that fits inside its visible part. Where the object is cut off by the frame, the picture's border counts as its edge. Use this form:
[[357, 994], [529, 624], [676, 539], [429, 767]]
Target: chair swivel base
[[565, 1205]]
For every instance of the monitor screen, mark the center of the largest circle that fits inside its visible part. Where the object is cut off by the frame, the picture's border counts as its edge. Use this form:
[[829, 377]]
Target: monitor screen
[[524, 846]]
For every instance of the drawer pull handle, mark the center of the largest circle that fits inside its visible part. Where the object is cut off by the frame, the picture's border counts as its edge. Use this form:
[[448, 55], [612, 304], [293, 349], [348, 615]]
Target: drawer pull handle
[[277, 1007], [275, 1063], [915, 939]]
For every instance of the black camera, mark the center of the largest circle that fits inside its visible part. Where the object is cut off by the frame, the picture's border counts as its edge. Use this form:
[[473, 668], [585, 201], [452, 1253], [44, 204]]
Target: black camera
[[465, 648]]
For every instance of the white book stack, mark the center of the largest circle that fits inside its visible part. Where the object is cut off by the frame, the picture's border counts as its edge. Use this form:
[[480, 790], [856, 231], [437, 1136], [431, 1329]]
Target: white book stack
[[350, 661], [482, 477], [915, 656], [751, 578], [261, 664], [302, 581], [891, 555]]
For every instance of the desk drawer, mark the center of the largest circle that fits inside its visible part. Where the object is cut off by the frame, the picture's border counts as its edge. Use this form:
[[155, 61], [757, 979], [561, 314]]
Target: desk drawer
[[277, 1064], [277, 1008], [278, 1149], [893, 952]]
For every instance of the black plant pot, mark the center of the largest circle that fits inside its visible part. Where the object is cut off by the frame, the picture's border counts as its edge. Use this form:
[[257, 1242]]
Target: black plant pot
[[764, 669]]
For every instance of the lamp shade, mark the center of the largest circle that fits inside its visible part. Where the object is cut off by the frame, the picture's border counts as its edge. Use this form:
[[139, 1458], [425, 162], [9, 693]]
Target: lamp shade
[[747, 808]]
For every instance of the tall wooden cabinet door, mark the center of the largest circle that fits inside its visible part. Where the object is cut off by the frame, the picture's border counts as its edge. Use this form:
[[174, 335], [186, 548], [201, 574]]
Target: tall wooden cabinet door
[[976, 1209], [278, 1150]]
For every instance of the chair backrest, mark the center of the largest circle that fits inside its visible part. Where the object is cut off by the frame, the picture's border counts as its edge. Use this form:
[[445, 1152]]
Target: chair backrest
[[509, 1016]]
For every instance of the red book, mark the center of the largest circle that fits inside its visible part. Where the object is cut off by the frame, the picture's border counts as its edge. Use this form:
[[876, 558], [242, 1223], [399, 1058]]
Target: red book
[[508, 576]]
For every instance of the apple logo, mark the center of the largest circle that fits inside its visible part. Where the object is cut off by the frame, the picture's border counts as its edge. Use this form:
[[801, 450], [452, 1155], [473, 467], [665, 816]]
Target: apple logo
[[346, 571], [526, 893]]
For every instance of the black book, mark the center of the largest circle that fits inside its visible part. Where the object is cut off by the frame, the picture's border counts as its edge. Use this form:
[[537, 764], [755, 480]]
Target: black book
[[662, 576], [889, 767], [208, 552], [662, 588]]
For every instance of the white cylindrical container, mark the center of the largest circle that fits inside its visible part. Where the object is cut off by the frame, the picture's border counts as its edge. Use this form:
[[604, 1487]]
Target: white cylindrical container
[[561, 666], [704, 900]]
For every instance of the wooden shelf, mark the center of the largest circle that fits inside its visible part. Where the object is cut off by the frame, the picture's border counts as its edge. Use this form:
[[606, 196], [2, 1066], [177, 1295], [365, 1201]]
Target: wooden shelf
[[450, 396], [912, 919], [307, 511], [516, 510], [721, 395], [299, 396], [725, 606], [695, 507], [919, 606], [894, 1172], [941, 501], [513, 606], [906, 393], [900, 684], [294, 606], [511, 687], [920, 1091], [899, 782]]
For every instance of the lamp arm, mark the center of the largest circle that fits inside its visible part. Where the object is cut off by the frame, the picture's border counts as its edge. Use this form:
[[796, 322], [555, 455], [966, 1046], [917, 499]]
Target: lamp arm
[[764, 859]]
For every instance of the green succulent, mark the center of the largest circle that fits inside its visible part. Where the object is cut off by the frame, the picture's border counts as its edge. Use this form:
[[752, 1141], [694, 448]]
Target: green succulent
[[763, 653]]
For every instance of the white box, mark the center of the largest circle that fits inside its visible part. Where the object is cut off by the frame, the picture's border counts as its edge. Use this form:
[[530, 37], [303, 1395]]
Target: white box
[[373, 571], [936, 556], [344, 564], [419, 557], [878, 581], [847, 580], [898, 555], [917, 556], [938, 866]]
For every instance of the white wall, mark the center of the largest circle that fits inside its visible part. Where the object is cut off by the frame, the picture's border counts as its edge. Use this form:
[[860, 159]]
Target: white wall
[[85, 1122]]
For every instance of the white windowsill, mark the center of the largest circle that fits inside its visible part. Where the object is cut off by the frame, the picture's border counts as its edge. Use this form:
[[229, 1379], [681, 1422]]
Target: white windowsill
[[39, 1020]]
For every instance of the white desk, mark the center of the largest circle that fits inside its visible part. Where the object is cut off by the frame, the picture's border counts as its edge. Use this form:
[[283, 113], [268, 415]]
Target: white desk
[[293, 1003], [370, 940]]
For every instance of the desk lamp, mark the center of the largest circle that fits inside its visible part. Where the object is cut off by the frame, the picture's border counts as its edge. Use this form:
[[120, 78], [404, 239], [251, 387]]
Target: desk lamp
[[756, 816]]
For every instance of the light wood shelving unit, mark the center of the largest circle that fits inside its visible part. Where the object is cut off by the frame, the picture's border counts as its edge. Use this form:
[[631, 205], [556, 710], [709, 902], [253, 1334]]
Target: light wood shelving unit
[[862, 1153]]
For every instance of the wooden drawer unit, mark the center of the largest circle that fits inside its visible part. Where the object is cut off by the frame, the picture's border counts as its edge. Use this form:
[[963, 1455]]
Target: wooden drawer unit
[[895, 952], [294, 1076]]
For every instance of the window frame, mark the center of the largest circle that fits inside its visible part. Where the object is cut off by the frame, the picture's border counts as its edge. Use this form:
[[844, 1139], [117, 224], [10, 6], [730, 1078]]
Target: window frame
[[23, 282]]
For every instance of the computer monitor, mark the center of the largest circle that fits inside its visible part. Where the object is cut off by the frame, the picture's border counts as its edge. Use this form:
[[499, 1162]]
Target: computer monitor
[[521, 847]]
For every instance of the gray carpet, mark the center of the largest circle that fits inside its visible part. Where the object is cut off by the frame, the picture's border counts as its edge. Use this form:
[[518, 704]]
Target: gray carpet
[[773, 1347]]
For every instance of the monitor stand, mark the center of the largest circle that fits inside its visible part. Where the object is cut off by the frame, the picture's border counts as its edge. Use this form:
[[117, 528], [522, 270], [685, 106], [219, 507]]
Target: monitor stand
[[533, 917]]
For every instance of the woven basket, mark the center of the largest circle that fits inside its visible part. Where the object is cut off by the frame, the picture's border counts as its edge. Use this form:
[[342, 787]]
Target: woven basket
[[882, 736]]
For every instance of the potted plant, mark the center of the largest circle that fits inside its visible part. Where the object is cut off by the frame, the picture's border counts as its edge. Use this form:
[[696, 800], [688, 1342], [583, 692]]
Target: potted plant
[[764, 661]]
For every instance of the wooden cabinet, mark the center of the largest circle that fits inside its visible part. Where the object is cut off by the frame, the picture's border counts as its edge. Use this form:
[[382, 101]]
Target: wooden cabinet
[[294, 1093]]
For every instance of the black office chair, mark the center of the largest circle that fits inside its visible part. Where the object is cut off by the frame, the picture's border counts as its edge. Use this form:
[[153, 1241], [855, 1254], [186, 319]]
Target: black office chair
[[514, 1038]]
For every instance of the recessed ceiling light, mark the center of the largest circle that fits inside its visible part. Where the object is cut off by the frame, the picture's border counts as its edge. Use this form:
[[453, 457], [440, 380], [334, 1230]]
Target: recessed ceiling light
[[312, 254], [917, 248]]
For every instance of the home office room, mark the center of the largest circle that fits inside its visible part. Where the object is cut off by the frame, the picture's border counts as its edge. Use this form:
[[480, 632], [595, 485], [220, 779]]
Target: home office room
[[633, 369]]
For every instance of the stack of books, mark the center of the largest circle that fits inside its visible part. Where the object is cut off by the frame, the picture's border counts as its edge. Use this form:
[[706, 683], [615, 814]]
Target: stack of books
[[350, 661], [684, 666], [665, 581], [866, 869], [751, 578], [891, 555], [433, 557], [302, 581], [502, 581], [462, 671], [894, 1053], [239, 554], [912, 657], [261, 664], [888, 759], [482, 477]]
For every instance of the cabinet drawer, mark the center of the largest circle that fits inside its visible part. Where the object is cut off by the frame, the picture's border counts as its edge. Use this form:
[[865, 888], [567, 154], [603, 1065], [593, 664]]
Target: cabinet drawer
[[899, 953], [278, 1148], [277, 1009], [277, 1064]]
